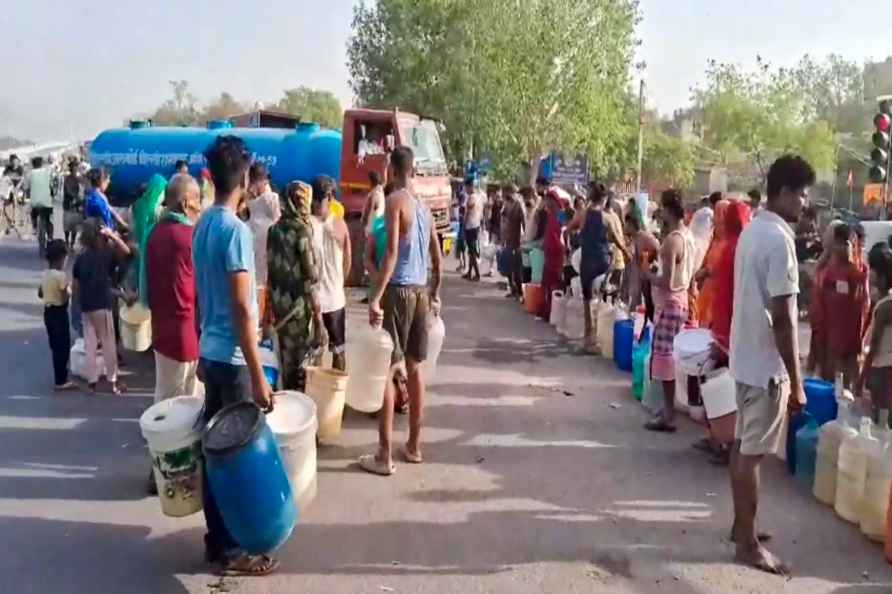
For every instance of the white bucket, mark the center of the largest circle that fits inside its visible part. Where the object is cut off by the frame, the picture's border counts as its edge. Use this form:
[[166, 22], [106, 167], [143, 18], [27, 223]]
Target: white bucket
[[718, 392], [293, 423], [173, 430], [136, 328], [327, 388], [691, 350]]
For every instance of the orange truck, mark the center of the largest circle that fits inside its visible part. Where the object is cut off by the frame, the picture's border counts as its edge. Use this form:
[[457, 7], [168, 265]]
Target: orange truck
[[368, 137]]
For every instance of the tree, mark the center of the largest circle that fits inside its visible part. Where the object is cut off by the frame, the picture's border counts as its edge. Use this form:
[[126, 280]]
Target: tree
[[510, 78], [313, 105], [668, 161], [832, 90], [180, 110], [760, 114], [223, 108]]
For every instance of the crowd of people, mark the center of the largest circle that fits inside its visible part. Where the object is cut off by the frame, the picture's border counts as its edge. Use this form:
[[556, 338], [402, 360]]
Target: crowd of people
[[729, 265], [222, 262], [219, 273]]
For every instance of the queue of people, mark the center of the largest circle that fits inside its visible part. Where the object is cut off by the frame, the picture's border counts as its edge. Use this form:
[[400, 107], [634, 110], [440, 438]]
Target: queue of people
[[730, 267]]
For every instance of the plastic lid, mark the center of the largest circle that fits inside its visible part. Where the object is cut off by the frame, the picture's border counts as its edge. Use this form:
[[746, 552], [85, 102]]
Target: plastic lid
[[693, 342], [295, 412], [231, 428], [171, 415]]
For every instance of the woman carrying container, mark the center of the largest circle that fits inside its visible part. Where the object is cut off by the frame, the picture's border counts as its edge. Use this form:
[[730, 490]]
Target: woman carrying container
[[292, 282]]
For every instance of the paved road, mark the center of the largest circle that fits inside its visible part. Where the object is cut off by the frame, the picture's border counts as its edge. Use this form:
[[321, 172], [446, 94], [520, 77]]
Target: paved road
[[533, 482]]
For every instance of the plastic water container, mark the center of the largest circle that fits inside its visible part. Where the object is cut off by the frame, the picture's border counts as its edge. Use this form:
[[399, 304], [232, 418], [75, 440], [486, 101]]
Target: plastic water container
[[820, 400], [136, 327], [78, 360], [794, 425], [537, 265], [328, 387], [574, 321], [248, 479], [851, 477], [875, 506], [368, 367], [653, 395], [436, 333], [623, 343], [293, 423], [831, 436], [691, 349], [533, 298], [806, 452], [558, 308], [270, 364], [606, 320], [640, 356], [172, 428]]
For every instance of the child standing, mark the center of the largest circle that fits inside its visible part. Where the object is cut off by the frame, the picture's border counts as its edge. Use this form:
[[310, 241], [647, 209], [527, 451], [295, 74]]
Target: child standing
[[93, 285], [54, 293], [840, 308]]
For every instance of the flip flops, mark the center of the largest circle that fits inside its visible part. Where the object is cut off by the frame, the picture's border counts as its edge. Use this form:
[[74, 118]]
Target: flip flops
[[411, 458], [371, 464]]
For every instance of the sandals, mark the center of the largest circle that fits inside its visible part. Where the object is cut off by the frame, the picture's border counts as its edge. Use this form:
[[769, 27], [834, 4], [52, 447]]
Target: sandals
[[659, 425], [372, 465], [704, 445], [251, 566], [410, 457], [64, 387], [118, 388]]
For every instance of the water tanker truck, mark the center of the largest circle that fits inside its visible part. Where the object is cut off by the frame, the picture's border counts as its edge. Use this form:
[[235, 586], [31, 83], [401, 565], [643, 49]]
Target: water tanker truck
[[135, 153]]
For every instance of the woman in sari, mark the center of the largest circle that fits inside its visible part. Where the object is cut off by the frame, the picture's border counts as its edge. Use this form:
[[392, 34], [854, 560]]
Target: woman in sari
[[736, 216], [709, 268], [553, 248], [145, 212], [291, 285]]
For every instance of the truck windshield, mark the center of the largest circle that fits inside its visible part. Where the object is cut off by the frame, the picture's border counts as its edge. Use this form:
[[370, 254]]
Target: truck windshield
[[424, 140]]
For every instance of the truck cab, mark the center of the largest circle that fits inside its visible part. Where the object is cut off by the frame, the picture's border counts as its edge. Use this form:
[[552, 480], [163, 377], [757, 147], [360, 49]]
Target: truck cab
[[369, 135]]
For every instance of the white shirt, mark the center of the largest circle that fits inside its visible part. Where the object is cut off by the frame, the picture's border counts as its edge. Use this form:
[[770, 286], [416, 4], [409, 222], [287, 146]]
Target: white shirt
[[765, 267], [474, 214], [330, 261], [38, 182]]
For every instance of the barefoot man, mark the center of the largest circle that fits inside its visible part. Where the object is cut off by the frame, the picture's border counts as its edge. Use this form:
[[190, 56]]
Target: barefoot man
[[764, 346], [403, 298]]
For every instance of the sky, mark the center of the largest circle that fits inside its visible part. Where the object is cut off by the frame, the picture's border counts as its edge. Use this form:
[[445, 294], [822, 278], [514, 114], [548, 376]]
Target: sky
[[75, 68]]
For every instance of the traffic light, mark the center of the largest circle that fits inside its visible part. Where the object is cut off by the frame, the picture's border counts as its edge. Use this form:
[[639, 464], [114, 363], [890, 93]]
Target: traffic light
[[879, 156]]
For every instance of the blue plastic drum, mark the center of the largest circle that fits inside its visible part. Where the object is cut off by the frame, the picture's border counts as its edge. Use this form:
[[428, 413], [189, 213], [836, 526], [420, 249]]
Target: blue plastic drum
[[247, 478], [623, 343]]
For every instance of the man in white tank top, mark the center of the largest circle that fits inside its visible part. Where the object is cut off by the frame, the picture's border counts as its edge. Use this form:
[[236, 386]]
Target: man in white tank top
[[331, 240]]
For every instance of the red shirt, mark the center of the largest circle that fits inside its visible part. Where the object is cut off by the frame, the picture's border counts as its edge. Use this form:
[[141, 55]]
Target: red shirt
[[171, 281]]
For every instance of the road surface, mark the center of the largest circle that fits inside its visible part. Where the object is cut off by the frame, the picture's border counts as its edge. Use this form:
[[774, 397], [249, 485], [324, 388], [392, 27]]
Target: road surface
[[538, 478]]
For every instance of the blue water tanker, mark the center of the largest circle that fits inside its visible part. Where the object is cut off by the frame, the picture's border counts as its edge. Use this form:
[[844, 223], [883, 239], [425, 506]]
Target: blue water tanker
[[134, 154]]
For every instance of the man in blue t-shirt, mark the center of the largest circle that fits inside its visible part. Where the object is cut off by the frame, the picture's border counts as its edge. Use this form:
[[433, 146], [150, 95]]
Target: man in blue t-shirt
[[229, 364]]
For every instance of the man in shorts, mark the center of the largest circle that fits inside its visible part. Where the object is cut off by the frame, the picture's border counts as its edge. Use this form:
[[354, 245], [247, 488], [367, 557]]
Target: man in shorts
[[764, 358], [408, 289]]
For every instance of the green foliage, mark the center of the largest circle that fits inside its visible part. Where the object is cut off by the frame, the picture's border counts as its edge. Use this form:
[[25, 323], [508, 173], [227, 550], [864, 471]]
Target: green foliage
[[183, 109], [313, 105], [759, 114], [668, 161], [510, 78]]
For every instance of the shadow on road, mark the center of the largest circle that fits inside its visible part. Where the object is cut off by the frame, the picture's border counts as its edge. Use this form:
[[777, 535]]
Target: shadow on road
[[77, 557]]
